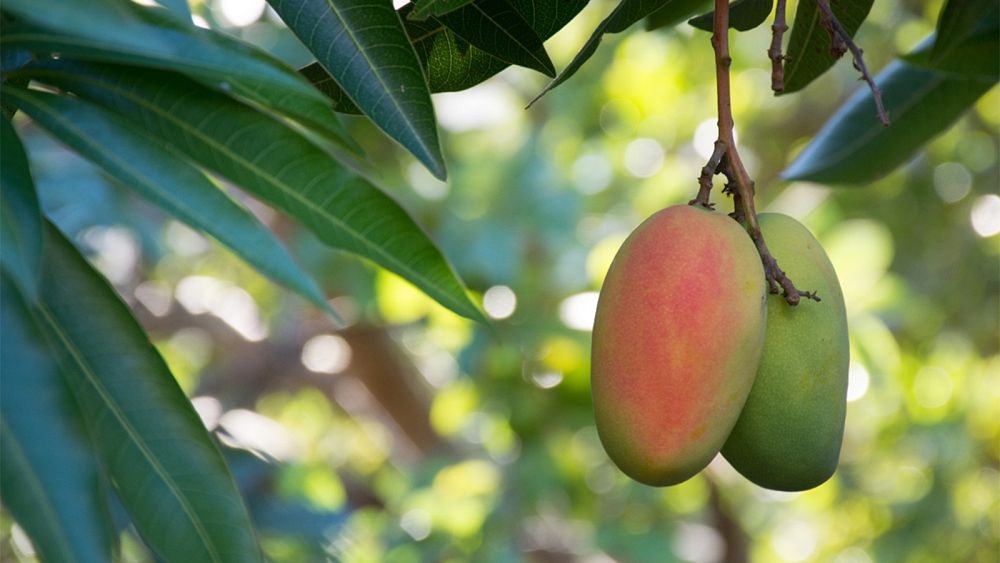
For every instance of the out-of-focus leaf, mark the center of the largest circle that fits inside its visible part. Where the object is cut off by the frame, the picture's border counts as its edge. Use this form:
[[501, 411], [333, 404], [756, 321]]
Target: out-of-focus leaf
[[744, 15], [299, 102], [624, 15], [809, 46], [20, 217], [169, 475], [958, 20], [494, 27], [277, 165], [48, 476], [163, 176], [451, 63], [178, 7], [362, 44], [428, 8], [978, 55], [675, 13], [854, 148]]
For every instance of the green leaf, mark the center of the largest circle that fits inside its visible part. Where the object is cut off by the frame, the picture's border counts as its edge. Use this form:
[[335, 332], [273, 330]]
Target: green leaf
[[624, 15], [163, 176], [675, 12], [958, 20], [809, 46], [494, 27], [361, 43], [428, 8], [275, 164], [48, 476], [21, 227], [451, 63], [178, 7], [977, 55], [854, 148], [169, 475], [744, 15], [122, 31], [200, 53]]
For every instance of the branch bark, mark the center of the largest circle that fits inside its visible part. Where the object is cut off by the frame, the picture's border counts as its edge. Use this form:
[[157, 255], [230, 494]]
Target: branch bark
[[778, 30], [741, 185]]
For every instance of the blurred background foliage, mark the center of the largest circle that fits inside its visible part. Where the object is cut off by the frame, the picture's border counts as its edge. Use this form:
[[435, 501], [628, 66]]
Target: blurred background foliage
[[415, 435]]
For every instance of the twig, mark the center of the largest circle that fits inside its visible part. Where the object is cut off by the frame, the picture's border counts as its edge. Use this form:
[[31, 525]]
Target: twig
[[835, 29], [734, 169], [705, 179], [778, 30]]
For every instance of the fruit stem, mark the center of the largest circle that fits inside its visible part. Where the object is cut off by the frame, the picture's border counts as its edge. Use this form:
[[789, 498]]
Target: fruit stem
[[732, 166]]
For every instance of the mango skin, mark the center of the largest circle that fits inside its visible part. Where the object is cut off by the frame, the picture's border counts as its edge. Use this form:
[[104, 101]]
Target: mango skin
[[789, 435], [677, 339]]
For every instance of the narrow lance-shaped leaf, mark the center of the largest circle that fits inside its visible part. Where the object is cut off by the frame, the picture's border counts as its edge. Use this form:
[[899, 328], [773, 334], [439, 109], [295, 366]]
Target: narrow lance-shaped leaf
[[162, 175], [675, 13], [168, 473], [275, 164], [854, 148], [744, 15], [361, 43], [451, 63], [123, 31], [20, 216], [48, 475], [977, 55], [200, 53], [495, 27], [809, 46], [178, 7], [427, 8], [624, 15], [958, 20]]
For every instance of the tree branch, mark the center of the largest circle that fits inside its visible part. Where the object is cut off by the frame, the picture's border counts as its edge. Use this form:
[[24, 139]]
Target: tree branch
[[839, 38], [778, 30], [741, 186]]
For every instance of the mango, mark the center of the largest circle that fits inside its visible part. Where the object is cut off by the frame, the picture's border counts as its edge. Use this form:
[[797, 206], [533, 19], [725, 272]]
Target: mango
[[676, 343], [789, 434]]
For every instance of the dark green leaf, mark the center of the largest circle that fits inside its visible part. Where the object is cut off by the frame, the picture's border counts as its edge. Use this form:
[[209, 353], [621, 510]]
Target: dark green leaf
[[20, 217], [48, 476], [169, 475], [854, 148], [362, 44], [428, 8], [451, 63], [809, 46], [277, 165], [958, 20], [744, 15], [676, 12], [199, 53], [624, 15], [178, 7], [494, 27], [162, 175], [121, 31], [977, 55]]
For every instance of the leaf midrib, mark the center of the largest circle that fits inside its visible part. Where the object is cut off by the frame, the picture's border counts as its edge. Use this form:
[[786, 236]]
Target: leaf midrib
[[378, 76], [132, 433], [276, 183]]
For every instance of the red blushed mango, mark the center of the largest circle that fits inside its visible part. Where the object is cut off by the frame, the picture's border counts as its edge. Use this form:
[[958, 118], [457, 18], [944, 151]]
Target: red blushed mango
[[676, 343]]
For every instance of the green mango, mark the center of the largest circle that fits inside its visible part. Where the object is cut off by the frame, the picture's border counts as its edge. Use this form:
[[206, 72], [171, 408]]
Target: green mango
[[789, 434]]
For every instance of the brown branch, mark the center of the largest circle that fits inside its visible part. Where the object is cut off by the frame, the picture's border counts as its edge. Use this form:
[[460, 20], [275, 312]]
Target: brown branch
[[778, 30], [839, 37], [743, 195], [737, 549], [710, 169]]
